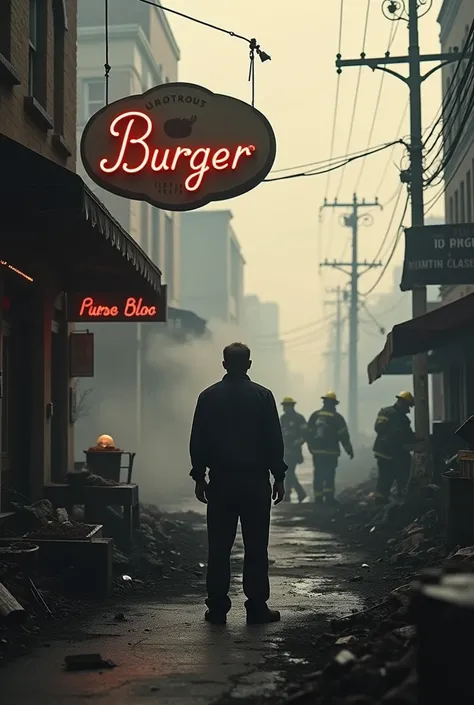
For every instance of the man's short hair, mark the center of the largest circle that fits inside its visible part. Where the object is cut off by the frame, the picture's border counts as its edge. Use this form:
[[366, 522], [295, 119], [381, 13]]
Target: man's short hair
[[237, 355]]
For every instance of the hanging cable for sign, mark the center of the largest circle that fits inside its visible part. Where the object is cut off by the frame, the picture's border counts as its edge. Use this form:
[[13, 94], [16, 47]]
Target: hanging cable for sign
[[107, 66], [254, 46]]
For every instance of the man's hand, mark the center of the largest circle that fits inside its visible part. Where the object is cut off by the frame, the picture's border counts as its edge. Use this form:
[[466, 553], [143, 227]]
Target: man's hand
[[351, 454], [201, 491], [278, 493]]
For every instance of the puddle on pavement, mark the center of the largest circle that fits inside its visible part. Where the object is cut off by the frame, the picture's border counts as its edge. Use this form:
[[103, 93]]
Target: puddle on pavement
[[327, 598], [257, 684]]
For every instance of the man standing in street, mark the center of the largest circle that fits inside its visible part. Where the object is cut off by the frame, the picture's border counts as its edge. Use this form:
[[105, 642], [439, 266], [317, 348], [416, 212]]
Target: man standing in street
[[327, 431], [236, 435], [392, 446], [293, 426]]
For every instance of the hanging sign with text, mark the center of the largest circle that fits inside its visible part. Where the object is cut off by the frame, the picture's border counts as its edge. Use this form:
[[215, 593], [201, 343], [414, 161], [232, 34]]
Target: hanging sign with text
[[438, 254], [178, 146], [115, 307]]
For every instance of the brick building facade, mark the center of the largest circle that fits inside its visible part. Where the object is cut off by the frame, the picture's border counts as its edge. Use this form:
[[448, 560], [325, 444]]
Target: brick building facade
[[56, 239]]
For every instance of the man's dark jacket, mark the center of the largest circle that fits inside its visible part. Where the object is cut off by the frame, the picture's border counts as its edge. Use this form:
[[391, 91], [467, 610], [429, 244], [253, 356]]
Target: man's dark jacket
[[236, 430]]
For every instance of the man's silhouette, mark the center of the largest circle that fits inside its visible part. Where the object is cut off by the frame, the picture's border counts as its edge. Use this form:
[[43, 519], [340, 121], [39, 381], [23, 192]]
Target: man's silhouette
[[236, 435]]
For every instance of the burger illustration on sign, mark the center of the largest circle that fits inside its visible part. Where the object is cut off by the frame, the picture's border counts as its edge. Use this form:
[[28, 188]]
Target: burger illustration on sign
[[179, 127], [178, 146]]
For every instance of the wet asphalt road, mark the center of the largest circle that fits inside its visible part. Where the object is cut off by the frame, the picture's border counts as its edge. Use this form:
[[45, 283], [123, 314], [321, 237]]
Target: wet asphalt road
[[166, 654]]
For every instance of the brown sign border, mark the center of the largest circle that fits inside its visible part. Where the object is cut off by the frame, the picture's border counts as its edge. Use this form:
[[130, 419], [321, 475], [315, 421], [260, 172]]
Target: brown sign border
[[247, 186]]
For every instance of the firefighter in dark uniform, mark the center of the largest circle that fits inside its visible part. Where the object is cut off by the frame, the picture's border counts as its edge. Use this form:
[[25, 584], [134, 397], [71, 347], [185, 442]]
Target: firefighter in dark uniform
[[326, 432], [236, 435], [394, 435], [293, 426]]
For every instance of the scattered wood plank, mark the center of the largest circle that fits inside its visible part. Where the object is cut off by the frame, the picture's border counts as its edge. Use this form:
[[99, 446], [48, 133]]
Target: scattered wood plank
[[10, 609]]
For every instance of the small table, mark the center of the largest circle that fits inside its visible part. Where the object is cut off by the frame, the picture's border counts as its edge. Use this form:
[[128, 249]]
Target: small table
[[95, 498]]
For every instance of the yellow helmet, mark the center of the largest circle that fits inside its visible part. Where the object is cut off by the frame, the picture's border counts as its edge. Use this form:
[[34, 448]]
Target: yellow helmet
[[105, 441], [408, 397], [332, 396], [288, 400]]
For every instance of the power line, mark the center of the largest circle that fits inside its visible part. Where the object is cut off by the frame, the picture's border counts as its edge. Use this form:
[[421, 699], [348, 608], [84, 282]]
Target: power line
[[448, 97], [389, 226], [298, 329], [392, 35], [356, 96], [390, 257], [338, 88], [326, 161], [385, 171], [337, 166], [433, 202]]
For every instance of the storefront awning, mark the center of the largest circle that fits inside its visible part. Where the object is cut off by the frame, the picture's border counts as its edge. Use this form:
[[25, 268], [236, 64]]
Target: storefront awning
[[69, 222], [429, 332]]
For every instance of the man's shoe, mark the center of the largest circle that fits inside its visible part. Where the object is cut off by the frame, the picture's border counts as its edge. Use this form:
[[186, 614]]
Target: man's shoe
[[215, 617], [265, 616]]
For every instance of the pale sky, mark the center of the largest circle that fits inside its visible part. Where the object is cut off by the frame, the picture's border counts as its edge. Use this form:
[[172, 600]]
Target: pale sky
[[277, 223]]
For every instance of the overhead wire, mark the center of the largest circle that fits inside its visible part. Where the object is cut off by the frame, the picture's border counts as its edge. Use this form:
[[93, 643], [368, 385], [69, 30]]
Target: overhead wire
[[395, 241], [448, 99], [336, 99], [329, 169], [391, 38], [430, 204], [306, 326], [356, 96], [390, 156]]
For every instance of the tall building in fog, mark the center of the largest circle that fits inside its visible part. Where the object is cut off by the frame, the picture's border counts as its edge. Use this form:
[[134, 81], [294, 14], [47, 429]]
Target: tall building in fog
[[261, 324], [212, 266], [142, 53]]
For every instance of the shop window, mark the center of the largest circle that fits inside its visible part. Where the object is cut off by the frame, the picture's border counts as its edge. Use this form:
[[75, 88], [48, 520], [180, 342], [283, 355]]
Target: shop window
[[451, 211], [94, 96], [456, 206], [59, 33], [5, 28], [37, 34], [462, 203]]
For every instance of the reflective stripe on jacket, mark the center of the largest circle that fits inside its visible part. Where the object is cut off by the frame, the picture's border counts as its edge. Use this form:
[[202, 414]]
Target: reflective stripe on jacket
[[393, 431], [337, 434]]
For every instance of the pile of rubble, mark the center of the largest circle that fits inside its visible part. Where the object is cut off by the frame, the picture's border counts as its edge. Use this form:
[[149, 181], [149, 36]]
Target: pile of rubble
[[367, 658], [165, 545], [408, 532]]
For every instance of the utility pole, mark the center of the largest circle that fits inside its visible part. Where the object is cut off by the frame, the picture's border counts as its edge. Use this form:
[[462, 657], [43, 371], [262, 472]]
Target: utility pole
[[352, 221], [410, 11], [337, 352]]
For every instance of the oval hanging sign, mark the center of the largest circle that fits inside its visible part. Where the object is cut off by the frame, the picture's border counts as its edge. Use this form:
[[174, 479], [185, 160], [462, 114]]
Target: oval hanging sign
[[178, 146]]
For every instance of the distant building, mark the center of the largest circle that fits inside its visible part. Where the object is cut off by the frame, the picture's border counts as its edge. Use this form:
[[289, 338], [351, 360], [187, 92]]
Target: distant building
[[142, 53], [261, 324], [212, 266]]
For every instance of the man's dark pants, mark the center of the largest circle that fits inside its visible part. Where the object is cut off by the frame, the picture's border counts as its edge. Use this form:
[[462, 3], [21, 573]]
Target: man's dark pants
[[230, 499], [291, 480], [392, 470], [324, 477]]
